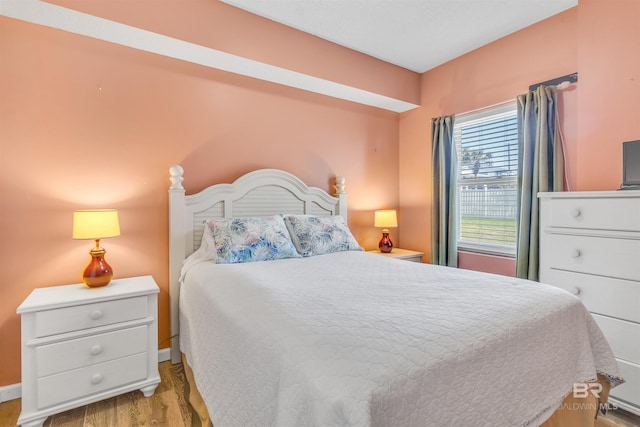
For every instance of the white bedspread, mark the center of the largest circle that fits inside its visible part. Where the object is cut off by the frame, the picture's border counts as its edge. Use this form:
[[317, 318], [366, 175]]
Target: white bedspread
[[355, 339]]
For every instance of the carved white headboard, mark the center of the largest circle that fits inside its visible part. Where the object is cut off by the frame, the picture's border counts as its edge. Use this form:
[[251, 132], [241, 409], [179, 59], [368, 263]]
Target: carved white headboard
[[258, 193]]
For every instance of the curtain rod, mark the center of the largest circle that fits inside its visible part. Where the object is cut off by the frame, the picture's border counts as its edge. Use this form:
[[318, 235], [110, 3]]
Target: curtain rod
[[571, 78]]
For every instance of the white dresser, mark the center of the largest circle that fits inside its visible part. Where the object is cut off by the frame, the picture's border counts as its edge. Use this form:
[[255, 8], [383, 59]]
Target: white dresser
[[590, 246], [81, 345]]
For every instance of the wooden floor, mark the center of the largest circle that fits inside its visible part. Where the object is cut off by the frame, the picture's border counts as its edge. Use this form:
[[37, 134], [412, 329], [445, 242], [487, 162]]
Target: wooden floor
[[618, 418], [168, 407]]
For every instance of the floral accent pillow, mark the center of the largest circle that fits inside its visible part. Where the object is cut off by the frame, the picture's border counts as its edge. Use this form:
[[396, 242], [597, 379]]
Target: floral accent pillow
[[251, 239], [317, 235]]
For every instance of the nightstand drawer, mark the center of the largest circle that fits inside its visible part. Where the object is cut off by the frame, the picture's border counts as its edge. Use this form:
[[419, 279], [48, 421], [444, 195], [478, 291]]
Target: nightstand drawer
[[80, 317], [83, 382], [67, 355]]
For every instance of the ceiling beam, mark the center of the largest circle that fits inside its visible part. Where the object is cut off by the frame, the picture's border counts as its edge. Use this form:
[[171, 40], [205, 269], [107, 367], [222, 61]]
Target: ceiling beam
[[50, 15]]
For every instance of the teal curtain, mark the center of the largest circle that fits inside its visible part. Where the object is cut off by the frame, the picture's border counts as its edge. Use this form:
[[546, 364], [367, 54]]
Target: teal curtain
[[540, 168], [444, 212]]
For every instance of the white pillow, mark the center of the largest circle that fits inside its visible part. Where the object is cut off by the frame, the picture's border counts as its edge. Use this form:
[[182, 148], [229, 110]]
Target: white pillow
[[206, 252]]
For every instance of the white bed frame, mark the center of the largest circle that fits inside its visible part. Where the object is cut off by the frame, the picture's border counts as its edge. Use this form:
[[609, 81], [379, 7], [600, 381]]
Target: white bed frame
[[258, 193]]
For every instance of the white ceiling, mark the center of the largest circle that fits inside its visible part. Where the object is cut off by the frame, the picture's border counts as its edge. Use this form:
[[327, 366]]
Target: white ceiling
[[414, 34]]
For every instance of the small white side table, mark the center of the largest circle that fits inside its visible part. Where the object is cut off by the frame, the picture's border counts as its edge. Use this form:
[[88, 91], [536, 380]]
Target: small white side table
[[81, 345], [401, 254]]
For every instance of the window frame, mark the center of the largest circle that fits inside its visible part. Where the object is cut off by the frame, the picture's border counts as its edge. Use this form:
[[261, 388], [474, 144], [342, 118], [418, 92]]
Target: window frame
[[485, 114]]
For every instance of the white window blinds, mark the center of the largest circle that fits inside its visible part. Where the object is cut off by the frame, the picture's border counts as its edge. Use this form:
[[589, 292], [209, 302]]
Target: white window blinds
[[487, 147]]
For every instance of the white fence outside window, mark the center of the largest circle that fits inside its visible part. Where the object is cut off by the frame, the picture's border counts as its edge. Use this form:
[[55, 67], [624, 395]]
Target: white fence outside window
[[487, 202]]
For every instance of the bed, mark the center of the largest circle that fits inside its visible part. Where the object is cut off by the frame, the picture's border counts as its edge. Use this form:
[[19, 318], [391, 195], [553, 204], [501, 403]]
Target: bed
[[326, 335]]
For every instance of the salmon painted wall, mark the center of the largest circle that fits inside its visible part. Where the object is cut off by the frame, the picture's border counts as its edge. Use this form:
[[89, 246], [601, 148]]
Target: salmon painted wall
[[597, 39], [486, 76], [86, 123], [608, 109]]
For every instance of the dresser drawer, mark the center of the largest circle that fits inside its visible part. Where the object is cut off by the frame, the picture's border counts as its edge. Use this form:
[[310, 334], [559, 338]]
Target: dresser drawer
[[602, 295], [83, 382], [630, 390], [80, 317], [619, 258], [623, 337], [600, 214], [72, 354]]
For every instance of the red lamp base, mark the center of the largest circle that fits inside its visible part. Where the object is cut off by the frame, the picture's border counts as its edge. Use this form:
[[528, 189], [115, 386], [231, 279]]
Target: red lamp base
[[385, 244], [98, 273]]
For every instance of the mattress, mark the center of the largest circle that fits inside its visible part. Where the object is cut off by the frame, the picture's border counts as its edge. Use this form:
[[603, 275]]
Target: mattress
[[354, 339]]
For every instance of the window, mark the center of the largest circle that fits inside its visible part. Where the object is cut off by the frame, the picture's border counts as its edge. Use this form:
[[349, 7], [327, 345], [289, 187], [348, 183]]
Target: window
[[487, 147]]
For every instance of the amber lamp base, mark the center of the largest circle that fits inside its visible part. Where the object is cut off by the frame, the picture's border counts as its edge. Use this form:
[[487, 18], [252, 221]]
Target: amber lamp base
[[385, 244], [98, 273]]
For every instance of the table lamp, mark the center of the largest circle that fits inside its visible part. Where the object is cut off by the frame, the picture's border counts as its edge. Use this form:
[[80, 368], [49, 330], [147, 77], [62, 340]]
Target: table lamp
[[384, 219], [95, 225]]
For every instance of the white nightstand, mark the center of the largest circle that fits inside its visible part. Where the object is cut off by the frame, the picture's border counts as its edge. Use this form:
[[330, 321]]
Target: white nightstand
[[401, 254], [81, 345]]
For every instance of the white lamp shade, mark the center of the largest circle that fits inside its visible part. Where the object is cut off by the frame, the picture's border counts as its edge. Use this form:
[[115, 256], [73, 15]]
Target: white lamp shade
[[95, 224], [385, 218]]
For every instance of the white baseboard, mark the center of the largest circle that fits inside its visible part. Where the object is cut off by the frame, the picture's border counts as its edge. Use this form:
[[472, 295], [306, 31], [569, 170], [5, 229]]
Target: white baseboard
[[10, 392], [164, 354], [14, 391]]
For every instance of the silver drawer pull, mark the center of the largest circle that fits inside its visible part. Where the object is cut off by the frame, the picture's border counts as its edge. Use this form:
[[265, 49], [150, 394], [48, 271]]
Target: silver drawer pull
[[96, 315], [576, 253], [575, 290], [96, 379], [575, 212], [96, 349]]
